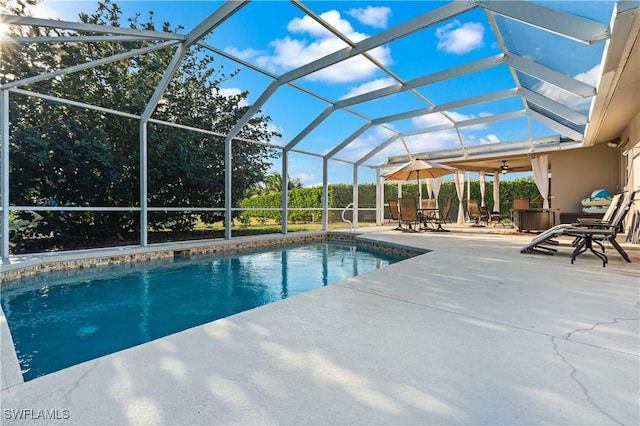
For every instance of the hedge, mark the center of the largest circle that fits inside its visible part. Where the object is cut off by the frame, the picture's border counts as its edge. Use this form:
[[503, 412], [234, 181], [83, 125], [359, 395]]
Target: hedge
[[340, 195]]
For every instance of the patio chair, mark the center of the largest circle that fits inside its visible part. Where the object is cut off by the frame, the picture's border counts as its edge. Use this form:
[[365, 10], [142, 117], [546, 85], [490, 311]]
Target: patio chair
[[486, 213], [408, 214], [475, 214], [440, 219], [395, 214], [428, 211], [608, 215], [428, 204], [587, 232], [497, 218]]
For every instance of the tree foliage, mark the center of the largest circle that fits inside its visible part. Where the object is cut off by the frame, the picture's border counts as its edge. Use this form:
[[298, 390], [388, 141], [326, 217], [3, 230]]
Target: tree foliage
[[64, 154], [272, 184]]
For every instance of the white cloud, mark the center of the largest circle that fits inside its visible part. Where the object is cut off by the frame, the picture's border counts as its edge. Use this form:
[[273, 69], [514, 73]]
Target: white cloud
[[61, 9], [471, 140], [307, 179], [365, 144], [246, 54], [590, 77], [428, 142], [370, 86], [376, 17], [51, 10], [230, 91], [492, 139], [444, 139], [291, 52], [459, 38], [355, 69], [436, 119], [278, 140], [567, 98], [233, 91], [308, 25], [429, 120]]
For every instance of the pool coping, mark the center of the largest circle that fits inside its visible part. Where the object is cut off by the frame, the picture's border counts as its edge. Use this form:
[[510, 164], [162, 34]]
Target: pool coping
[[29, 265], [10, 366]]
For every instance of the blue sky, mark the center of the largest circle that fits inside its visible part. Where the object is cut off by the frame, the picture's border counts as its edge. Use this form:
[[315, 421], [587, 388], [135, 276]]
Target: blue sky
[[278, 37]]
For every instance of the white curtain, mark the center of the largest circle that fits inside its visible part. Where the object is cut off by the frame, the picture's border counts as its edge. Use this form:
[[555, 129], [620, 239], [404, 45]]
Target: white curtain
[[540, 167], [459, 176], [468, 177], [435, 187], [496, 191], [482, 188]]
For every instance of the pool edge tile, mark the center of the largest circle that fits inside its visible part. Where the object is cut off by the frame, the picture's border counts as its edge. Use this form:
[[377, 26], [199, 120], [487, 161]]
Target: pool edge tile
[[9, 364]]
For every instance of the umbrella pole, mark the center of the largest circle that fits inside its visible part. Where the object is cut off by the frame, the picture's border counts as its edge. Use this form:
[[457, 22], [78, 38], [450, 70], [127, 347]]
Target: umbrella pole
[[419, 225], [399, 211]]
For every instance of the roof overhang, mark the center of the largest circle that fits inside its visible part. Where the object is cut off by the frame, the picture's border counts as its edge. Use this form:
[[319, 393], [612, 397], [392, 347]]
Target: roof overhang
[[618, 92], [489, 157]]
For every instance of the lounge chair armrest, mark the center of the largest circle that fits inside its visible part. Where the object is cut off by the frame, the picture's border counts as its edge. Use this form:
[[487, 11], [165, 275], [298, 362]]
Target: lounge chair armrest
[[587, 221], [590, 231], [592, 225]]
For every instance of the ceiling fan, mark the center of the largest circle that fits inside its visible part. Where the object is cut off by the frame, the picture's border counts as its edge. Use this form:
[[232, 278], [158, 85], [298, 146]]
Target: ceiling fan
[[504, 168]]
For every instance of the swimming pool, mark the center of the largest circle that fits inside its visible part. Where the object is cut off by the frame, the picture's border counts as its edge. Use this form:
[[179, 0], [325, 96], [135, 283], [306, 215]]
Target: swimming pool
[[57, 321]]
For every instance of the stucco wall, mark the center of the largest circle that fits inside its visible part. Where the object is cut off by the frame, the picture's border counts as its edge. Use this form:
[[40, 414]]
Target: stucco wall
[[631, 145], [630, 164], [576, 173]]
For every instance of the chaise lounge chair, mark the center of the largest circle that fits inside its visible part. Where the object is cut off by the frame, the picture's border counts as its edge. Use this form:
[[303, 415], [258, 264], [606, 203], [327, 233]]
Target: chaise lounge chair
[[602, 232], [585, 232], [549, 236]]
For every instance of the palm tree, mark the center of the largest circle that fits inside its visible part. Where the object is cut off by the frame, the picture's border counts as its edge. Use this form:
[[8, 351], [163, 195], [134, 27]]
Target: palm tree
[[273, 183]]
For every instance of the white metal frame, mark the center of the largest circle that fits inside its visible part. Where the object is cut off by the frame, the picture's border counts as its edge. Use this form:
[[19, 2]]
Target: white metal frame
[[546, 19]]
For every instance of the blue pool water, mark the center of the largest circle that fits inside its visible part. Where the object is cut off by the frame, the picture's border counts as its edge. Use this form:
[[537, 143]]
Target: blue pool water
[[57, 321]]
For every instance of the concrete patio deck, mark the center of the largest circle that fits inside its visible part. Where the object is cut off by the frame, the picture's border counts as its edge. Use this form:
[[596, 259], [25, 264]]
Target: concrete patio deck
[[473, 332]]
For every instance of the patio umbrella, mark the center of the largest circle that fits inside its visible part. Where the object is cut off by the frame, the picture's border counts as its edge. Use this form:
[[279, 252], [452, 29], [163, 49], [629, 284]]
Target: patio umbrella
[[418, 169]]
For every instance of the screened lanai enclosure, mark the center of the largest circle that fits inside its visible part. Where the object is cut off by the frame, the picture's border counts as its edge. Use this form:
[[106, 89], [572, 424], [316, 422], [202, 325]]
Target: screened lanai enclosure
[[125, 120]]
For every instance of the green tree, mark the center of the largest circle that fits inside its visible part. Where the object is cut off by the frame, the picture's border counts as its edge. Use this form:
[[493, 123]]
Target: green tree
[[273, 184], [67, 155]]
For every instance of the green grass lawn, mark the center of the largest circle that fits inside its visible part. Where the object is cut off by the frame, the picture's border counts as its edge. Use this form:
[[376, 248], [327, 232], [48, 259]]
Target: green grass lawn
[[269, 226], [201, 231]]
